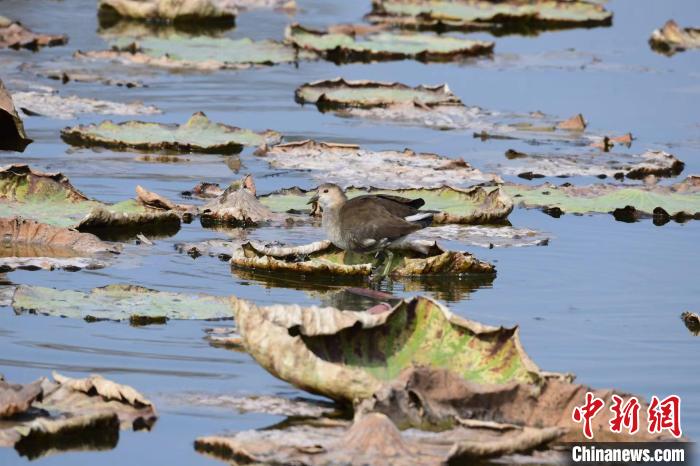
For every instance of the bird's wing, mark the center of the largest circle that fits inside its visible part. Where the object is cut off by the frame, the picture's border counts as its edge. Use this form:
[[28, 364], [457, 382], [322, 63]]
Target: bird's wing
[[397, 205], [363, 219]]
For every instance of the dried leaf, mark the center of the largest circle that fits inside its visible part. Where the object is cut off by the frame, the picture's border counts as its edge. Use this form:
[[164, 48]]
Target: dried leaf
[[14, 35], [11, 126], [671, 38], [187, 11], [29, 245], [50, 104], [348, 164]]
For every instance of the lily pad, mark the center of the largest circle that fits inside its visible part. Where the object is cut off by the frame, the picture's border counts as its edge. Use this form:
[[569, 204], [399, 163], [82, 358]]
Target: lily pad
[[477, 205], [671, 38], [370, 439], [30, 245], [72, 414], [52, 105], [50, 198], [348, 355], [12, 135], [340, 47], [500, 17], [188, 11], [348, 164], [263, 404], [339, 93], [324, 259], [680, 201], [15, 36], [201, 53], [198, 134], [237, 206], [493, 236], [138, 305], [602, 165]]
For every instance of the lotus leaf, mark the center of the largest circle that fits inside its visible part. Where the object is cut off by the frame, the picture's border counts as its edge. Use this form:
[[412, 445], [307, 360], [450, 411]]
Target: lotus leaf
[[166, 10], [52, 105], [14, 35], [476, 205], [136, 304], [430, 398], [348, 164], [370, 439], [340, 47], [506, 16], [68, 413], [198, 134], [30, 245], [50, 198], [681, 200], [265, 404], [339, 93], [203, 53], [635, 167], [692, 322], [324, 259], [348, 355], [671, 38], [12, 135]]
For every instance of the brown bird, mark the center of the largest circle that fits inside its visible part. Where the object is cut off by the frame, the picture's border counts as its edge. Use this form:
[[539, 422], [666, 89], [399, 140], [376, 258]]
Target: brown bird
[[368, 223]]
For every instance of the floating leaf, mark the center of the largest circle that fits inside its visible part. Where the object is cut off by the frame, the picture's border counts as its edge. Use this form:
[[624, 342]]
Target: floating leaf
[[12, 135], [370, 439], [500, 236], [348, 164], [202, 53], [348, 355], [76, 414], [671, 38], [340, 47], [500, 17], [237, 206], [50, 104], [339, 93], [14, 35], [692, 322], [321, 258], [138, 305], [635, 167], [680, 201], [16, 399], [30, 245], [198, 134], [187, 11], [430, 398], [476, 205], [265, 404], [50, 198]]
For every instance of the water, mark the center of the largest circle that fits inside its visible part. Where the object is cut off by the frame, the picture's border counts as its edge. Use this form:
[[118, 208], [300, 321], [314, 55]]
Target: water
[[602, 300]]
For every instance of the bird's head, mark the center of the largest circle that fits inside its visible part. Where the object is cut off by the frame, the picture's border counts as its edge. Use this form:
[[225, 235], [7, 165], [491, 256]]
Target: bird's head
[[328, 195]]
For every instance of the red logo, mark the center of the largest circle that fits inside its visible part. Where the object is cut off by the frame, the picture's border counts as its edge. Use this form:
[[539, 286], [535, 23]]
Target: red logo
[[665, 415], [587, 412]]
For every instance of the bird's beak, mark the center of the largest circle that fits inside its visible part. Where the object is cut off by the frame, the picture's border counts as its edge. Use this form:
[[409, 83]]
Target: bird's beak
[[313, 200]]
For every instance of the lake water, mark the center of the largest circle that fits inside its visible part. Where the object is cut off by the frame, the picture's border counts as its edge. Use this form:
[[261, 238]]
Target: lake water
[[602, 300]]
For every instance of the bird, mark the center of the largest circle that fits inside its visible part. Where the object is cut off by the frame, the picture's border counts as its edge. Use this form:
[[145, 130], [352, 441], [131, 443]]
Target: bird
[[370, 223]]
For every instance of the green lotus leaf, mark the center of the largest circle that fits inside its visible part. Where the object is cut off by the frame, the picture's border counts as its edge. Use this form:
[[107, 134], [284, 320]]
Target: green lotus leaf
[[198, 134], [476, 205], [118, 302], [480, 14], [681, 200], [51, 199], [339, 93], [201, 52], [341, 47], [348, 355]]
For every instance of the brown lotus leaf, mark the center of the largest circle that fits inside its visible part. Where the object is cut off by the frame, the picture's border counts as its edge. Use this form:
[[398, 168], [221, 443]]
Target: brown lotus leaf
[[671, 38], [430, 398], [575, 123], [692, 322], [15, 399], [237, 205], [370, 439], [12, 135], [14, 35]]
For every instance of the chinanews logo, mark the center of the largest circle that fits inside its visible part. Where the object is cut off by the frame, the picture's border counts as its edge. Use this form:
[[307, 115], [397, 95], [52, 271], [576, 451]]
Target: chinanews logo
[[660, 419]]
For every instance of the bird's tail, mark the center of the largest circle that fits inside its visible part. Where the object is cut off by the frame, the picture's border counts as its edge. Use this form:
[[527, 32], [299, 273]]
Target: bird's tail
[[424, 219]]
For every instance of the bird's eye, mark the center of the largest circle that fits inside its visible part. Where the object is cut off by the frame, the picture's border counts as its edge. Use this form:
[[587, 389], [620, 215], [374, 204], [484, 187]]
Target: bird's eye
[[325, 190]]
